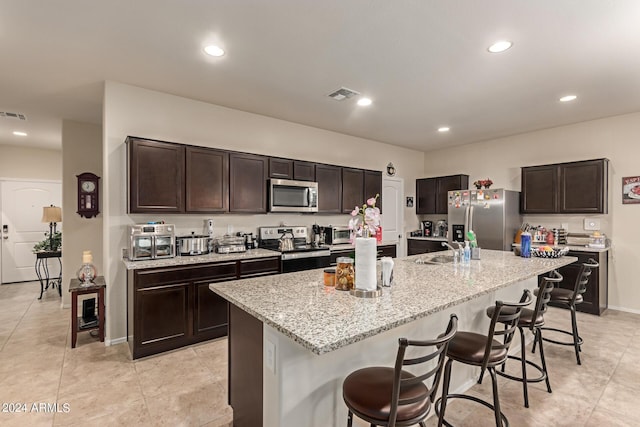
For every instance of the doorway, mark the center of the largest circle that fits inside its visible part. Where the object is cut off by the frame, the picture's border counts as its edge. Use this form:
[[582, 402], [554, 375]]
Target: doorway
[[21, 204], [393, 213]]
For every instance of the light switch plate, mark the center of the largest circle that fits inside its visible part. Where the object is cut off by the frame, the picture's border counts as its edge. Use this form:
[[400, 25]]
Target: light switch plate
[[270, 355], [591, 224]]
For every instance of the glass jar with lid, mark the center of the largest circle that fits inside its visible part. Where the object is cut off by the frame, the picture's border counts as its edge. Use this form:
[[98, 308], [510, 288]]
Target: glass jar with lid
[[345, 274]]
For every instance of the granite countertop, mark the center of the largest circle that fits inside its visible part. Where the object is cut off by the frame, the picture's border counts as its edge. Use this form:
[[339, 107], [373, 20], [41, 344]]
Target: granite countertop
[[433, 239], [198, 259], [323, 319]]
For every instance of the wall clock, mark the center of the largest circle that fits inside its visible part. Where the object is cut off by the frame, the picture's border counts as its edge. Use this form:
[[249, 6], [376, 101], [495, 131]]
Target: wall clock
[[88, 195]]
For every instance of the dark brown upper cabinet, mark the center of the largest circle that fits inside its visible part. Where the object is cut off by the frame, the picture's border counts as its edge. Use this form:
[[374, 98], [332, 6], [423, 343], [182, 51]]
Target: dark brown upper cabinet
[[566, 188], [373, 186], [207, 180], [156, 176], [304, 171], [431, 193], [329, 179], [352, 189], [248, 183], [539, 184], [280, 168]]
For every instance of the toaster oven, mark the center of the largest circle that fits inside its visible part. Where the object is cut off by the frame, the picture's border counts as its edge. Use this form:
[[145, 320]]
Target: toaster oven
[[151, 241], [337, 235]]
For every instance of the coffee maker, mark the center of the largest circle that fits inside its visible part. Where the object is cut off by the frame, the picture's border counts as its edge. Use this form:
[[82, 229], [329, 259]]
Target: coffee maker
[[427, 228]]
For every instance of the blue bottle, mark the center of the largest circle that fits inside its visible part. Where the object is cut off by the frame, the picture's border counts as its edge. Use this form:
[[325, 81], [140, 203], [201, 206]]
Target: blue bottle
[[525, 245]]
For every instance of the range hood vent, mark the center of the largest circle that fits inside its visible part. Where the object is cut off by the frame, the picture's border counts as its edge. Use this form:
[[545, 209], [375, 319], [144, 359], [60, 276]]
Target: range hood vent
[[343, 93], [15, 116]]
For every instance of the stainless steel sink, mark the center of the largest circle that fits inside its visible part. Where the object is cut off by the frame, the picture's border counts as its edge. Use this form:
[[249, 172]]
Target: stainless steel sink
[[436, 260]]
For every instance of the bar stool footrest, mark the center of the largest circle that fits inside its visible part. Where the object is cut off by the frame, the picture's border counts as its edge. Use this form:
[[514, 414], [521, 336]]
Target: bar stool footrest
[[571, 343], [505, 421], [542, 377]]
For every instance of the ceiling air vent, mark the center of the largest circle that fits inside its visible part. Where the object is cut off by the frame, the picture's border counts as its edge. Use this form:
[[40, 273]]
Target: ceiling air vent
[[343, 93], [16, 116]]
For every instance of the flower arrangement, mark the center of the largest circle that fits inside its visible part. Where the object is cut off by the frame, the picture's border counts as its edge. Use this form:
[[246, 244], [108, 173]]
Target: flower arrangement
[[365, 219], [486, 183]]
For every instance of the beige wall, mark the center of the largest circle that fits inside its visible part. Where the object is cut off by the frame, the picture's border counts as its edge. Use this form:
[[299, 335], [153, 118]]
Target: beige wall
[[81, 152], [616, 138], [30, 163], [133, 111]]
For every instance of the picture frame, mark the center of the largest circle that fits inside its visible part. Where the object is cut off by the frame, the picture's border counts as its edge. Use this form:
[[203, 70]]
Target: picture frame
[[409, 201], [631, 190]]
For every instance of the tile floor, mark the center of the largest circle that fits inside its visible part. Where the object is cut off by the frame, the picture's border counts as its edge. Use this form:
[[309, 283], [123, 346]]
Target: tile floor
[[187, 387]]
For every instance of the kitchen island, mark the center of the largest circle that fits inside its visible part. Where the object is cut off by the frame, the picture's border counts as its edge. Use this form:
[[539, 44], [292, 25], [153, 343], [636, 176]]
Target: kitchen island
[[292, 340]]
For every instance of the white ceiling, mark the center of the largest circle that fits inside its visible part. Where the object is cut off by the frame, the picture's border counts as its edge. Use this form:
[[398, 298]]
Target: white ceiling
[[423, 62]]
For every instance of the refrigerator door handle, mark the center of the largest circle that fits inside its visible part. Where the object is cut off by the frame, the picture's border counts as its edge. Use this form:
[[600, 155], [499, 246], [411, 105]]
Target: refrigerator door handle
[[470, 219], [466, 218]]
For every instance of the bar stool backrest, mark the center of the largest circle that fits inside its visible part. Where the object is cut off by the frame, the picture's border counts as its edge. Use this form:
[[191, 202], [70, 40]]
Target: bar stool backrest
[[507, 314], [440, 346], [583, 278], [545, 287]]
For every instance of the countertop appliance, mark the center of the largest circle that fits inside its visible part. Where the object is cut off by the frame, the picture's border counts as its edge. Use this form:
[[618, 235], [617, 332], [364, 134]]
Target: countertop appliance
[[151, 241], [303, 256], [230, 244], [440, 229], [193, 244], [493, 214], [286, 195], [337, 235], [427, 228]]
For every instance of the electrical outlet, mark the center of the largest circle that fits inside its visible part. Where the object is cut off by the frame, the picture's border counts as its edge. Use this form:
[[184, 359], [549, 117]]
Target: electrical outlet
[[270, 355], [591, 224]]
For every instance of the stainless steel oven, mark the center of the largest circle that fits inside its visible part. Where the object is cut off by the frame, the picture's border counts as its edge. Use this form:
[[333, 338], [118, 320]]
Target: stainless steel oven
[[151, 241], [286, 195], [303, 255]]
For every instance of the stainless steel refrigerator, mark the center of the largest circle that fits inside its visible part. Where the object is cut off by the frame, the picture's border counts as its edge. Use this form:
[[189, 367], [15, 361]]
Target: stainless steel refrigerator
[[493, 215]]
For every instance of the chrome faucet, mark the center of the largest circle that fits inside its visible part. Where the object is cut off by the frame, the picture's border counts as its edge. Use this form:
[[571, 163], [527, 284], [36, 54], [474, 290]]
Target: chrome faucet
[[453, 250]]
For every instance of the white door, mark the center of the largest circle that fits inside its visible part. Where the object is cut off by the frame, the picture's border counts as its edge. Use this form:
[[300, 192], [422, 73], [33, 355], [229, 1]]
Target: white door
[[21, 203], [393, 212]]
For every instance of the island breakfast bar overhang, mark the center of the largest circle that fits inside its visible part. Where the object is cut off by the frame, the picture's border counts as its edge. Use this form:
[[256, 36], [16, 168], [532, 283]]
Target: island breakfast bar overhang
[[292, 340]]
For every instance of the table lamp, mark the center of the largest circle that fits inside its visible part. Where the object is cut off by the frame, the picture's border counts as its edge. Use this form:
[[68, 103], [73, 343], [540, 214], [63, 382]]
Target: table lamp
[[52, 215]]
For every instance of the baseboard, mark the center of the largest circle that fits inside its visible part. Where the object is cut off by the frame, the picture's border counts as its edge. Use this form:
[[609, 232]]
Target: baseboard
[[626, 310], [115, 341]]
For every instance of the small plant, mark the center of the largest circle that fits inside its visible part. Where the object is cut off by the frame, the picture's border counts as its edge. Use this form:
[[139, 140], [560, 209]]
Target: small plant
[[53, 244]]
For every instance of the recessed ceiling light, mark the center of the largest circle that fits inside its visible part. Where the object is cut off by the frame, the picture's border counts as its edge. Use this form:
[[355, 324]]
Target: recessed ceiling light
[[18, 133], [568, 98], [364, 102], [443, 129], [500, 46], [214, 50]]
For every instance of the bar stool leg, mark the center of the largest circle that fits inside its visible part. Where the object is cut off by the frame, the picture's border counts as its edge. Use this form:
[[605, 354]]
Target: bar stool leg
[[440, 409], [350, 419], [523, 363], [576, 337], [496, 397], [538, 336]]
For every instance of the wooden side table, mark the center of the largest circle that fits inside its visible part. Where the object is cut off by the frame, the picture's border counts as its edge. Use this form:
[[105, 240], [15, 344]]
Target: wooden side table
[[77, 288]]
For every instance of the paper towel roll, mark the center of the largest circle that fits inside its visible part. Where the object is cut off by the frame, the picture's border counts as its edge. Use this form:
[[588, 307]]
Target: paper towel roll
[[366, 263]]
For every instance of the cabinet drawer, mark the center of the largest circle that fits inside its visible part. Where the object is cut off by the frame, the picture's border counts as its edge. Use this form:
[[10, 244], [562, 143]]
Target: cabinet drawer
[[159, 276], [259, 267]]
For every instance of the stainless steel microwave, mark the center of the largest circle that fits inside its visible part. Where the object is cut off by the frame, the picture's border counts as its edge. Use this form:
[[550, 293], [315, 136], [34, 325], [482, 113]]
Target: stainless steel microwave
[[286, 195], [337, 235]]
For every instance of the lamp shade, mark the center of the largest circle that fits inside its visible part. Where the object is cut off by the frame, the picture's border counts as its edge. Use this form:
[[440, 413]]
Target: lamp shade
[[51, 214]]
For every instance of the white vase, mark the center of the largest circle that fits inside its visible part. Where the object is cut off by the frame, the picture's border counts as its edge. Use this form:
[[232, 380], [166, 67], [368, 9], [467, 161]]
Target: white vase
[[366, 263]]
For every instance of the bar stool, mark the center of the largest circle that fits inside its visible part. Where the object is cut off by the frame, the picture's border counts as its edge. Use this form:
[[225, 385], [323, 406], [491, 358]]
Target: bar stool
[[568, 298], [533, 320], [484, 351], [392, 396]]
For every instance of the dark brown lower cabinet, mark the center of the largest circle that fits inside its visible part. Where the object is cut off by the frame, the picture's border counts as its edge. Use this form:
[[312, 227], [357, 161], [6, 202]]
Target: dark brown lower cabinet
[[595, 297], [416, 246], [171, 307]]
